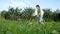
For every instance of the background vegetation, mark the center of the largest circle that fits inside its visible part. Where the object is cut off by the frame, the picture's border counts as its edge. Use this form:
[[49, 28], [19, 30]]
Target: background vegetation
[[27, 13], [18, 21]]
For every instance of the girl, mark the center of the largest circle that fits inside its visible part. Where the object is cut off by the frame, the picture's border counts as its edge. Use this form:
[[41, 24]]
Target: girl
[[39, 14]]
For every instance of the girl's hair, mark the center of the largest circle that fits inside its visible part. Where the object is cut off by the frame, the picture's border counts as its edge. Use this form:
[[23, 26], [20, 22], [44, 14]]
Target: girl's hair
[[37, 6]]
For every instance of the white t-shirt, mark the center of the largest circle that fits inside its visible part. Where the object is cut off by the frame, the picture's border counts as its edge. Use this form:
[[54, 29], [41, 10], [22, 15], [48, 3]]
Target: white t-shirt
[[36, 12]]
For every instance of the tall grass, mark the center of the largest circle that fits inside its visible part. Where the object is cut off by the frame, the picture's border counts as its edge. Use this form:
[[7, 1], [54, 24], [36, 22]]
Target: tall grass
[[26, 27]]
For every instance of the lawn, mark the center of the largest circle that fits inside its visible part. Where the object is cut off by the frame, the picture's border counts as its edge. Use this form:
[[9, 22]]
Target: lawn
[[26, 27]]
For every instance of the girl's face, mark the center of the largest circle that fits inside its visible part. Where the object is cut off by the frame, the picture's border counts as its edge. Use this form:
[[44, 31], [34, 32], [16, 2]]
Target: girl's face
[[38, 8]]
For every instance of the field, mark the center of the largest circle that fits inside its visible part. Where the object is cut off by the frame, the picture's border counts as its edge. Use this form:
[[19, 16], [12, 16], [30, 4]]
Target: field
[[26, 27]]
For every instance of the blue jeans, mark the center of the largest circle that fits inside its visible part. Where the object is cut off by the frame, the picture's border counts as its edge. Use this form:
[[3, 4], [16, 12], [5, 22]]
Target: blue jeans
[[40, 18]]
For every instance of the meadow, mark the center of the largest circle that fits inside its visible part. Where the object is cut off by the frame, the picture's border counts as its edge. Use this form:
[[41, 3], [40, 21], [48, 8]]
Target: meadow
[[27, 27], [20, 16]]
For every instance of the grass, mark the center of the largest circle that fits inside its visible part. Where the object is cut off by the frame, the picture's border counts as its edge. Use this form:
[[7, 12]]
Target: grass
[[26, 27]]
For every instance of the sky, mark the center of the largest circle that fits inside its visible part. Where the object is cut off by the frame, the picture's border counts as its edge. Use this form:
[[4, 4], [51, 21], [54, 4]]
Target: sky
[[53, 4]]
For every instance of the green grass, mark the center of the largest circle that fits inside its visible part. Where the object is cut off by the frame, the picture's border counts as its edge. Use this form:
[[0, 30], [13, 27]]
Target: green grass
[[25, 27]]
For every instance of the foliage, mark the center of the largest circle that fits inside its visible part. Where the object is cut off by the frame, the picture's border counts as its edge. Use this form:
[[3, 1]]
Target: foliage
[[28, 13], [25, 27], [51, 16], [57, 15], [28, 27], [48, 14], [12, 14]]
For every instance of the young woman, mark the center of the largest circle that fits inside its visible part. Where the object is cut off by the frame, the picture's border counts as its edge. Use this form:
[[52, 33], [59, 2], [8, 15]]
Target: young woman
[[39, 14]]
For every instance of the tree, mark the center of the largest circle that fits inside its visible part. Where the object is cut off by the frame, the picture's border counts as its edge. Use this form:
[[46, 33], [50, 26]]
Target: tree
[[57, 15], [48, 14], [27, 13], [4, 14], [12, 14], [17, 13]]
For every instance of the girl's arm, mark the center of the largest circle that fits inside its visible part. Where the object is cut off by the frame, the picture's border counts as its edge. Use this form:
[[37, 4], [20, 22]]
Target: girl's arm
[[36, 14]]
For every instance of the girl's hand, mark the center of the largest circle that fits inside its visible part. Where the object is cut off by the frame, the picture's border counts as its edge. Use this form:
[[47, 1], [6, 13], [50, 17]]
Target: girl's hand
[[37, 15]]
